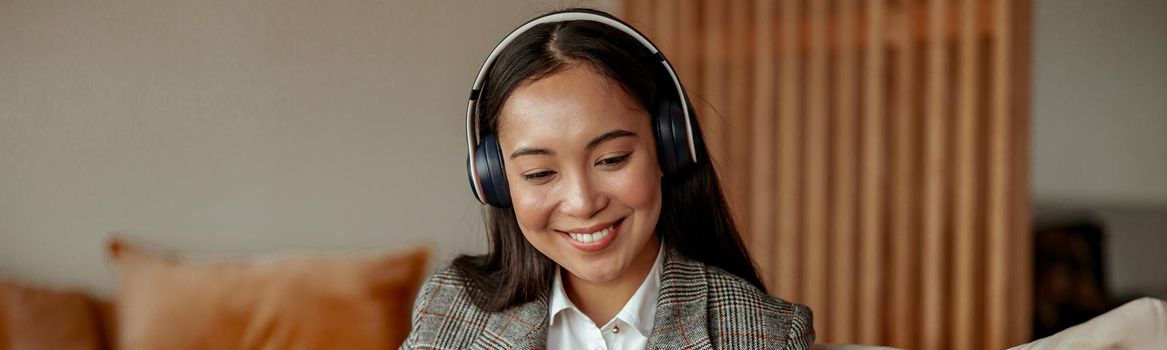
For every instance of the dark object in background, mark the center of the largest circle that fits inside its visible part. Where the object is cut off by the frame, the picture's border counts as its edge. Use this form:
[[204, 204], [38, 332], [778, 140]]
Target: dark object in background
[[1069, 278]]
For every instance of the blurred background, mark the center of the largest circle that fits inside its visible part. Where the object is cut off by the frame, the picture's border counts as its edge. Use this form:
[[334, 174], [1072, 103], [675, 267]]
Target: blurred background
[[923, 173]]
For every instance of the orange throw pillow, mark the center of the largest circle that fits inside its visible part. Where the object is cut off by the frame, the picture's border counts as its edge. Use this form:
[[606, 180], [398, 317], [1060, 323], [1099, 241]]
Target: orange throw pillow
[[297, 302], [35, 318]]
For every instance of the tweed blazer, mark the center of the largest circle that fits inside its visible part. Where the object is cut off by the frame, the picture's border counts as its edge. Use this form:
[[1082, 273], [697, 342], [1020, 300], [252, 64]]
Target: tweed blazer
[[700, 307]]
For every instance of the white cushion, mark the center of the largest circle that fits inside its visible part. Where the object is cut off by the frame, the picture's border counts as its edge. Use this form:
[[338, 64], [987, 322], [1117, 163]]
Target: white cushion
[[1139, 324]]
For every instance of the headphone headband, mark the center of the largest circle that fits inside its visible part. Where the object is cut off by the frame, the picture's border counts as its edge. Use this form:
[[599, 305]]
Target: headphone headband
[[472, 137]]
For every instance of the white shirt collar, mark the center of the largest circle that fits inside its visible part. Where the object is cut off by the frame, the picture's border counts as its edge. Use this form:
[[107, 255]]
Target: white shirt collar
[[640, 311]]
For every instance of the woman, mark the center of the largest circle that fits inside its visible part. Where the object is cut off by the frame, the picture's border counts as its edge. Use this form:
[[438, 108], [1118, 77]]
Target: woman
[[607, 224]]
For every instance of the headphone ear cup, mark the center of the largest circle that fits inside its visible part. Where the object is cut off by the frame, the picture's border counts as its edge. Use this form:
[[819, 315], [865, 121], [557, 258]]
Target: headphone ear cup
[[681, 138], [665, 145], [671, 120], [491, 172]]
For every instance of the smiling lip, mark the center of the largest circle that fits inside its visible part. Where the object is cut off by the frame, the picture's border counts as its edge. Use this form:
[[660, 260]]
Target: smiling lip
[[597, 245]]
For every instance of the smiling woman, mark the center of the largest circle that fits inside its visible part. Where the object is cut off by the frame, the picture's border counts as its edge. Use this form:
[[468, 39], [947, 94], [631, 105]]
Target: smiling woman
[[605, 213]]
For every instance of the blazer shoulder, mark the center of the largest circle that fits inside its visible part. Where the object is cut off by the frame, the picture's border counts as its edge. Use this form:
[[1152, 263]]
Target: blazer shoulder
[[449, 276], [447, 287], [444, 315], [733, 300]]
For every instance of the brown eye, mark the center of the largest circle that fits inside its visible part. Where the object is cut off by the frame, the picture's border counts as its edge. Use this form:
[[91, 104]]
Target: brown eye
[[537, 176], [612, 161]]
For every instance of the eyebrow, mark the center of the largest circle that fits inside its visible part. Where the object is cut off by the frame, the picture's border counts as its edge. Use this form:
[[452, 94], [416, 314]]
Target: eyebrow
[[614, 134]]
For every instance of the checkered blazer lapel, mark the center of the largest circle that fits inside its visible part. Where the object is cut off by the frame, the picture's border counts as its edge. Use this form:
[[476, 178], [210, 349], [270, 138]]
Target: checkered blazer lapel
[[704, 307], [520, 327], [680, 312]]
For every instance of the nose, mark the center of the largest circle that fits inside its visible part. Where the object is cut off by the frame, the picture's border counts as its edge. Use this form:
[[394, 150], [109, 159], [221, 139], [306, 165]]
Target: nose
[[581, 197]]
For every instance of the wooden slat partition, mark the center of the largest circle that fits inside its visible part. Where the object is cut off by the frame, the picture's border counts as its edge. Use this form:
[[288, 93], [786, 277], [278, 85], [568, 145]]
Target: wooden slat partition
[[875, 155]]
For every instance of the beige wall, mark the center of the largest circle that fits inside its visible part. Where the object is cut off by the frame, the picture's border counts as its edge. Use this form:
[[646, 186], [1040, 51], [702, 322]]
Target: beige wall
[[1100, 102], [237, 126]]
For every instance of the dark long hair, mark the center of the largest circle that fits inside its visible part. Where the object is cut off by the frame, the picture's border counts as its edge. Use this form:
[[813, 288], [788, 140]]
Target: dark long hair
[[694, 220]]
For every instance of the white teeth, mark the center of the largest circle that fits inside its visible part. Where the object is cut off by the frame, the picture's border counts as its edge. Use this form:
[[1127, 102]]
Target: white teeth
[[591, 237]]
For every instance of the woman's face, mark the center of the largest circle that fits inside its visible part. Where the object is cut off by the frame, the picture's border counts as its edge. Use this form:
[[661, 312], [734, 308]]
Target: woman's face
[[581, 162]]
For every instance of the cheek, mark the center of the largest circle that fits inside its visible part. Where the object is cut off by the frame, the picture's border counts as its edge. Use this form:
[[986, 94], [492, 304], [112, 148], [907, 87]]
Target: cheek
[[640, 187], [532, 208]]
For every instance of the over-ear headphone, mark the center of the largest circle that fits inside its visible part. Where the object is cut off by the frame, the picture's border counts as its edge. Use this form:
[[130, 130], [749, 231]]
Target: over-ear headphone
[[677, 137]]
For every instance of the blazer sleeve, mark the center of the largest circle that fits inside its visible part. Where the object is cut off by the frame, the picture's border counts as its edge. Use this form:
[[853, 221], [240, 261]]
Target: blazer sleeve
[[801, 333], [413, 340]]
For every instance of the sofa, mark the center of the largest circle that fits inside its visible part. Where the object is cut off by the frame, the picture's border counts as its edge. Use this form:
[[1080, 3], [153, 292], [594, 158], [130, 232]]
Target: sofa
[[324, 301], [289, 301]]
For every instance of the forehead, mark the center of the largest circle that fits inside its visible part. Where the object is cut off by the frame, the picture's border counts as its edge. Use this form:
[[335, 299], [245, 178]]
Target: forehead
[[577, 101]]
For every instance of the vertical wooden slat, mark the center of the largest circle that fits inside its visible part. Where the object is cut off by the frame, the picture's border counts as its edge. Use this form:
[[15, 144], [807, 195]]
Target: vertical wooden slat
[[1020, 32], [998, 256], [665, 28], [904, 322], [641, 14], [844, 178], [713, 82], [935, 150], [686, 28], [872, 268], [815, 275], [762, 180], [738, 109], [790, 233], [1010, 243], [965, 327]]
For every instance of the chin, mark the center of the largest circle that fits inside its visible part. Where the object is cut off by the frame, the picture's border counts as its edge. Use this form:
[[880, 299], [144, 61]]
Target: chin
[[597, 272]]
